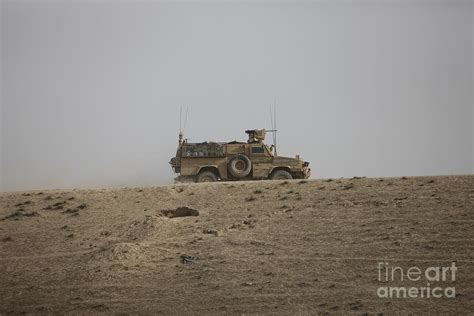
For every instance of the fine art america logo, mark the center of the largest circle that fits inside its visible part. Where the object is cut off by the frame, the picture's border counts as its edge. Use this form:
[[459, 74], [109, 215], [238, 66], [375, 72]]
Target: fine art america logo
[[435, 279]]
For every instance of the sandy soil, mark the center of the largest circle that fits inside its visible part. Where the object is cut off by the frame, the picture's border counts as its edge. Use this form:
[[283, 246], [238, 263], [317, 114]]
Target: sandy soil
[[271, 247]]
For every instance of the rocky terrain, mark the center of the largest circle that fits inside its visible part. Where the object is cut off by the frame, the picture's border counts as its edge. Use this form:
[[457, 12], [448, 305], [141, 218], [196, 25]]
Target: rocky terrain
[[267, 247]]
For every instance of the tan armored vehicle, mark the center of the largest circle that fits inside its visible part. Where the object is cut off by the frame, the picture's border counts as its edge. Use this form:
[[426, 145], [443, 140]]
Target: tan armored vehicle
[[253, 160]]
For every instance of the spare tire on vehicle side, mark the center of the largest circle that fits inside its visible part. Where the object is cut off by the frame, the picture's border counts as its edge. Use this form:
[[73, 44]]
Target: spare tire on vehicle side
[[239, 166]]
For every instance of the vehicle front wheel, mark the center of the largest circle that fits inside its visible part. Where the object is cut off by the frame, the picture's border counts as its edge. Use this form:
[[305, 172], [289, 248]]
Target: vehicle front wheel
[[280, 175], [206, 176]]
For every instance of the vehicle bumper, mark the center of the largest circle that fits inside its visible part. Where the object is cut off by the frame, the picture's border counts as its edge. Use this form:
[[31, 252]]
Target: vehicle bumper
[[306, 170], [307, 173]]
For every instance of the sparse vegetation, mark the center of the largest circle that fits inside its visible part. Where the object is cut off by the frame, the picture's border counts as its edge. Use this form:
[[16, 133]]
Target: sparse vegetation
[[18, 214], [210, 232], [71, 210], [250, 198]]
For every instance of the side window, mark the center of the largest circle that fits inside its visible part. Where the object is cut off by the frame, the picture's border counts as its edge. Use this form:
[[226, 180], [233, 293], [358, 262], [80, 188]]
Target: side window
[[257, 150]]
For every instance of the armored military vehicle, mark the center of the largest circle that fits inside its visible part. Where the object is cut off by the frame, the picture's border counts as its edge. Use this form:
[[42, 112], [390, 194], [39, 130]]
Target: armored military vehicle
[[251, 160]]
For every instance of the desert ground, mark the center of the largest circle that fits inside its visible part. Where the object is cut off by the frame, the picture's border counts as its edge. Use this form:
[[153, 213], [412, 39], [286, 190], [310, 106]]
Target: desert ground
[[263, 247]]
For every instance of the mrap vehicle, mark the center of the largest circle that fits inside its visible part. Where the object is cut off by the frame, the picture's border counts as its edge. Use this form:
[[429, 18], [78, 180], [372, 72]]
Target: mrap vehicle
[[253, 160]]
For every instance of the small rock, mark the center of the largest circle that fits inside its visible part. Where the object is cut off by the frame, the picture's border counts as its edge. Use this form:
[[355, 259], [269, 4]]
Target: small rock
[[186, 259], [348, 186], [182, 211]]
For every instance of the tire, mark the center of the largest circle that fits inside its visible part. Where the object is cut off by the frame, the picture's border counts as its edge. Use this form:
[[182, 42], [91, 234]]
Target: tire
[[206, 176], [281, 175], [239, 166]]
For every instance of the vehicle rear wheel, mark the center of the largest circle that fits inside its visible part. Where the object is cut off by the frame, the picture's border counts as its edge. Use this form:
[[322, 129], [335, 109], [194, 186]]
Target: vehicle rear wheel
[[240, 166], [280, 175], [206, 176]]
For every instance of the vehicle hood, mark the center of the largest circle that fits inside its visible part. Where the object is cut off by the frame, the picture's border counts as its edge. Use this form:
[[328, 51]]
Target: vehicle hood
[[286, 161]]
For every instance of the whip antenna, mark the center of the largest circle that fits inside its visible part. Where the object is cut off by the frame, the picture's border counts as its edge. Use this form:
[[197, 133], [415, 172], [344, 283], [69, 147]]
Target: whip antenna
[[271, 119], [181, 126], [275, 127], [185, 118]]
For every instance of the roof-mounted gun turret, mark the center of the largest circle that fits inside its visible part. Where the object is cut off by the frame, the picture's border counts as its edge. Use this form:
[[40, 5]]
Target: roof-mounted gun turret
[[256, 135]]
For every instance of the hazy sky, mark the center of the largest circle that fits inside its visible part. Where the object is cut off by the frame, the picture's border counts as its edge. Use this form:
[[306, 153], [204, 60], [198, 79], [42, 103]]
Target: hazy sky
[[92, 89]]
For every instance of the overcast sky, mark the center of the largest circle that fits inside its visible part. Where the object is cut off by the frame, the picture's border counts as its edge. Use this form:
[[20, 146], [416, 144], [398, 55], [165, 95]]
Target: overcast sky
[[92, 89]]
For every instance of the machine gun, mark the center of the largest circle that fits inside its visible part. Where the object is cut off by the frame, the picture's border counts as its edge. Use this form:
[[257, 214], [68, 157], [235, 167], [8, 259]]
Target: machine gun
[[258, 135]]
